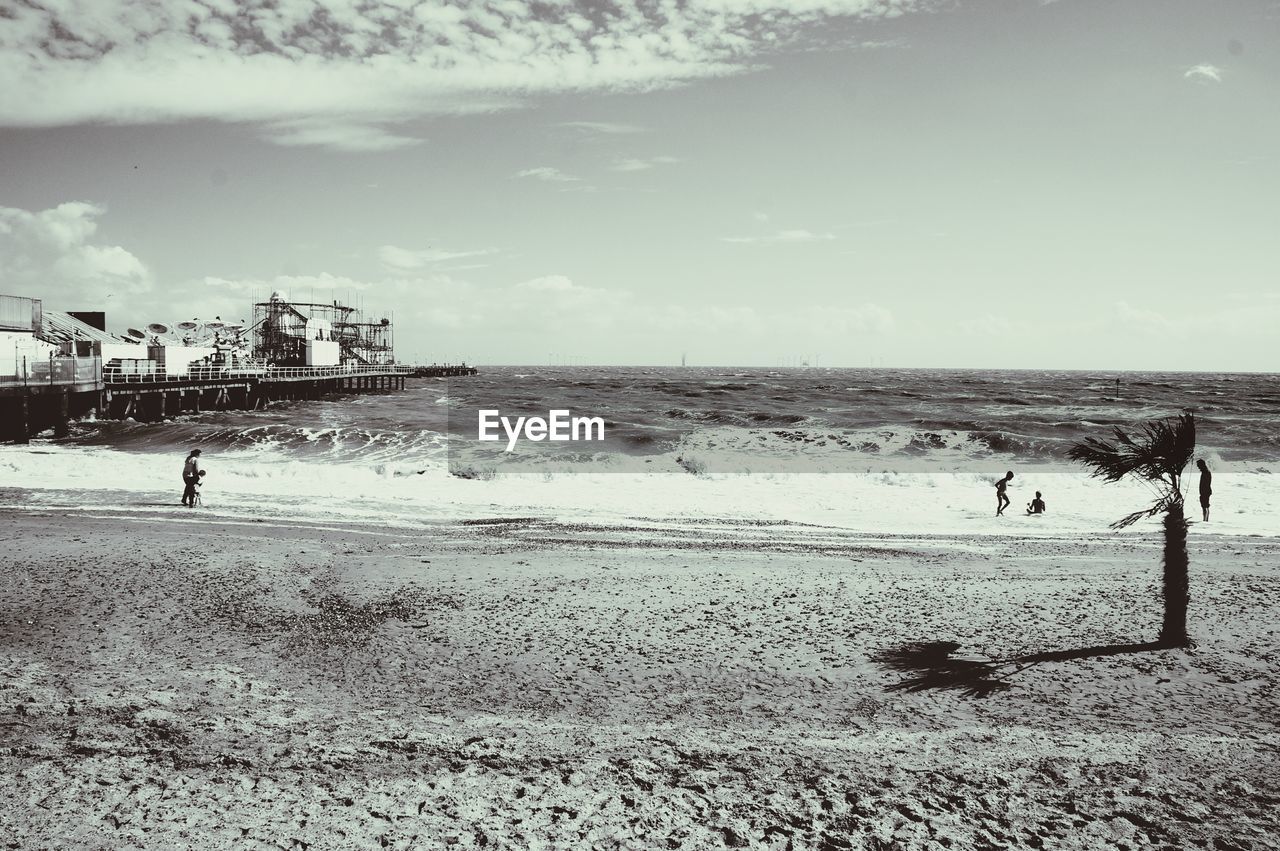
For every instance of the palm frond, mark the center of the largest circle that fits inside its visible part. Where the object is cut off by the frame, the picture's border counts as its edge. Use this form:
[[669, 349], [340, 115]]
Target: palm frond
[[1110, 461], [1156, 454], [1161, 505]]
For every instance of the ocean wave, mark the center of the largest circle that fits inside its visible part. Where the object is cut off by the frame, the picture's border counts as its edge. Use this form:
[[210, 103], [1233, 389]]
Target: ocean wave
[[828, 419]]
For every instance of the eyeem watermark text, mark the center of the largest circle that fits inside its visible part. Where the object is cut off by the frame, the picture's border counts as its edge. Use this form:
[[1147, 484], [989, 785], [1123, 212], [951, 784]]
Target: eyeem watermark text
[[559, 425]]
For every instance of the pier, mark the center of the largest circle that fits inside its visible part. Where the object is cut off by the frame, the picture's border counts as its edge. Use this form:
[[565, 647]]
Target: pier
[[56, 367], [149, 397], [443, 371], [49, 394]]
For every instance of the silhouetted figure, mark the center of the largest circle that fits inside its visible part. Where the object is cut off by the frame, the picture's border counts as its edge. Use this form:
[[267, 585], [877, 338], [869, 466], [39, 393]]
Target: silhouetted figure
[[1036, 506], [1206, 487], [1002, 498], [190, 477]]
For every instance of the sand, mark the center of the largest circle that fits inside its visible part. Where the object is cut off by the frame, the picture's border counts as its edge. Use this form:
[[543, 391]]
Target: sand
[[180, 680]]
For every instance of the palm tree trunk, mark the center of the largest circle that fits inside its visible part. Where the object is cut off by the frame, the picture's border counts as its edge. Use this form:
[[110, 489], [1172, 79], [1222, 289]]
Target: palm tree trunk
[[1176, 582]]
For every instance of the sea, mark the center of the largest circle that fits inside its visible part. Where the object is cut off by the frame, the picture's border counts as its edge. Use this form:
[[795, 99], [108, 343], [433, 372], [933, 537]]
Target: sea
[[872, 450]]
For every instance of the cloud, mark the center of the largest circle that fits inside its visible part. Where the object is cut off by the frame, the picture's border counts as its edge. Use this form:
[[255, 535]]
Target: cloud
[[1141, 319], [515, 321], [296, 285], [1203, 74], [52, 255], [636, 164], [547, 173], [396, 258], [548, 283], [605, 127], [342, 74], [338, 136], [1225, 334], [55, 254], [783, 236]]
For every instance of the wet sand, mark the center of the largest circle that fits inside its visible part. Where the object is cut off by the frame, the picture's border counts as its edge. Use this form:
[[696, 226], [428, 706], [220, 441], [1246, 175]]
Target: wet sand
[[170, 681]]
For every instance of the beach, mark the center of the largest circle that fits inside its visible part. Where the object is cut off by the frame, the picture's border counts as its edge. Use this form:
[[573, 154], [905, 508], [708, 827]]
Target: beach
[[200, 679], [837, 425]]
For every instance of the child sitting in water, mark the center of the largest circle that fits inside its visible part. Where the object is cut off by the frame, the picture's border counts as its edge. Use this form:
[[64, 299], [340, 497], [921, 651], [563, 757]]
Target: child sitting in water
[[1036, 506]]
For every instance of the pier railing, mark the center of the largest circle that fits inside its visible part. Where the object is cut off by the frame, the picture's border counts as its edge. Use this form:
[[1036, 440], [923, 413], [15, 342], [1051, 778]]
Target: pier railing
[[54, 370], [115, 374]]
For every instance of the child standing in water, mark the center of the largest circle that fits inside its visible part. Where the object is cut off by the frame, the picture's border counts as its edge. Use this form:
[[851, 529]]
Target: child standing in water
[[1002, 498]]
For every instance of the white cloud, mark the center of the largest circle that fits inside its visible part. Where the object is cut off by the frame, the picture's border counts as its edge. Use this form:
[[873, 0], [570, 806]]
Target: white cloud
[[637, 164], [547, 173], [520, 318], [783, 236], [52, 255], [548, 283], [1203, 74], [109, 264], [1209, 331], [296, 285], [395, 258], [605, 127], [801, 236], [1141, 319], [341, 74], [338, 136]]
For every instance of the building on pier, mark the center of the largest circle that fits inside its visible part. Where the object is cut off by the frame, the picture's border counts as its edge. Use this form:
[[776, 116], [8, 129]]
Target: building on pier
[[48, 371], [288, 333]]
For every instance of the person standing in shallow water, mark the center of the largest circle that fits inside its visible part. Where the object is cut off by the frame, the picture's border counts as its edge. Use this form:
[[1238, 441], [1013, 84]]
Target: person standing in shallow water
[[1002, 497], [190, 477], [1206, 487]]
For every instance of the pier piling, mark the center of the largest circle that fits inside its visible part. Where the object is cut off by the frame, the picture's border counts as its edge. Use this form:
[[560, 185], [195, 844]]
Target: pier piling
[[61, 424], [19, 428]]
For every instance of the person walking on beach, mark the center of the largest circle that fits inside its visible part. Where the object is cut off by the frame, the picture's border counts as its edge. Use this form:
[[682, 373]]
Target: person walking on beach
[[1002, 497], [1206, 487], [190, 478]]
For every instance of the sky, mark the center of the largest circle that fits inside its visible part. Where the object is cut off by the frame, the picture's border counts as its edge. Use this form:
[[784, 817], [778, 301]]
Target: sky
[[901, 183]]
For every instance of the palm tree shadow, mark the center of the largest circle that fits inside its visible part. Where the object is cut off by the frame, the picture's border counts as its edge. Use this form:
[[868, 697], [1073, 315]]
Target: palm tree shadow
[[931, 665]]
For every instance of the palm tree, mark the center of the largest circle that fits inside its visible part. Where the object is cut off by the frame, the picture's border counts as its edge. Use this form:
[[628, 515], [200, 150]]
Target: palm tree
[[1157, 456]]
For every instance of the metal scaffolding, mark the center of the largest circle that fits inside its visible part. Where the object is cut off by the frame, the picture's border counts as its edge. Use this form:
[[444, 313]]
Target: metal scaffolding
[[282, 329]]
